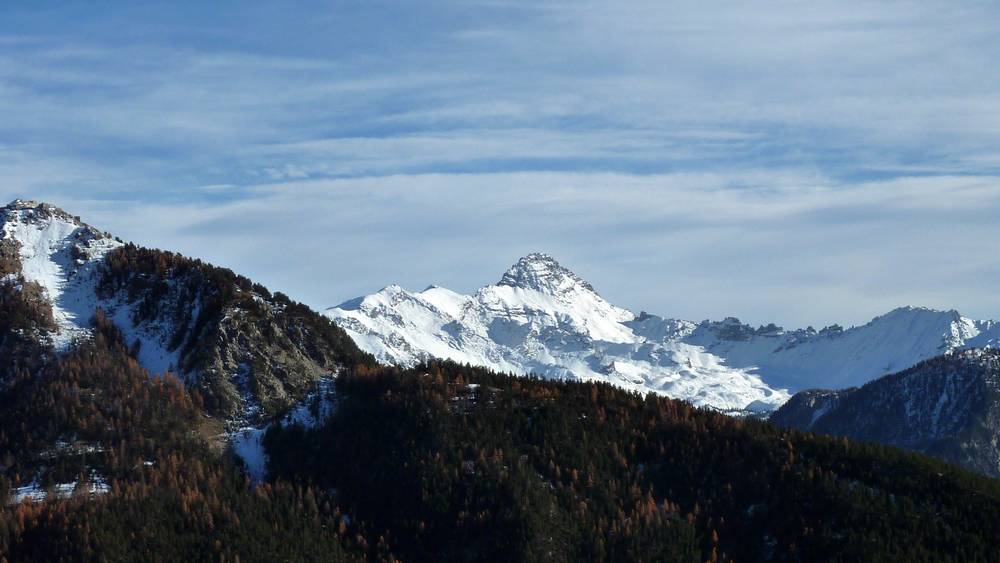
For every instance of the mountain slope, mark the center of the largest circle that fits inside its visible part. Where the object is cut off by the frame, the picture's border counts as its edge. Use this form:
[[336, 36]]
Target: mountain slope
[[58, 253], [834, 358], [472, 465], [442, 462], [101, 462], [251, 353], [948, 407], [543, 319]]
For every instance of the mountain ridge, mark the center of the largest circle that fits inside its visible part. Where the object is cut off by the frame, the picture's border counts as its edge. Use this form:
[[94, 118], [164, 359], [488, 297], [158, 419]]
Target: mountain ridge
[[947, 407], [252, 353], [448, 462], [542, 318]]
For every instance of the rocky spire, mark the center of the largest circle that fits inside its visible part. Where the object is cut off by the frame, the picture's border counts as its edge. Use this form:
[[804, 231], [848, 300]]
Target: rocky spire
[[541, 272]]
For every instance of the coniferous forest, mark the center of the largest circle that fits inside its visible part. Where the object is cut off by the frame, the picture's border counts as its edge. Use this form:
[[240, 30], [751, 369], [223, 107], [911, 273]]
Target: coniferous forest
[[450, 462], [169, 495], [499, 281], [441, 462]]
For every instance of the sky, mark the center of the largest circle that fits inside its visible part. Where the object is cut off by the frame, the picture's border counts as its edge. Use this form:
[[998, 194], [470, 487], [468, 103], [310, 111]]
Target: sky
[[805, 163]]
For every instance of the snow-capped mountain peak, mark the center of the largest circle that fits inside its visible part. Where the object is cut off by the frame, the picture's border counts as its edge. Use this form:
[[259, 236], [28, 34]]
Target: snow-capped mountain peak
[[835, 358], [954, 329], [542, 318], [63, 255], [541, 272]]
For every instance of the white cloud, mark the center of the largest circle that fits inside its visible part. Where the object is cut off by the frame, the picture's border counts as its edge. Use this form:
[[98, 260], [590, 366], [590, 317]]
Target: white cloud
[[795, 249], [843, 87], [798, 162]]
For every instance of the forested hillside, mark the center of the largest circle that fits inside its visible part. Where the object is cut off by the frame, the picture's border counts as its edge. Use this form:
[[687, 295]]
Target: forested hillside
[[458, 463], [248, 351], [99, 461], [102, 460], [444, 462]]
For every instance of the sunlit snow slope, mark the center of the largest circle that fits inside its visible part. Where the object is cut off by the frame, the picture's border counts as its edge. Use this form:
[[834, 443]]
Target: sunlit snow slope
[[543, 319], [834, 358], [61, 254]]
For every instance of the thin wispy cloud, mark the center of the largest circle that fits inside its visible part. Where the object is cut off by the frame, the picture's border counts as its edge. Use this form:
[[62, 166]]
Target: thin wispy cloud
[[780, 160], [746, 244]]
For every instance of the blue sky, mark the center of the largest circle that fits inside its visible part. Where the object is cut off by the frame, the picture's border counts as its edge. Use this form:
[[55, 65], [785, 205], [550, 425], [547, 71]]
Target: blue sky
[[806, 163]]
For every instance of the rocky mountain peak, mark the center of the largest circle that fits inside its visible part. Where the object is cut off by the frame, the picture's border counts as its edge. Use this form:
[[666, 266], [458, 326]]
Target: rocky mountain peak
[[23, 204], [29, 208], [541, 272], [27, 213]]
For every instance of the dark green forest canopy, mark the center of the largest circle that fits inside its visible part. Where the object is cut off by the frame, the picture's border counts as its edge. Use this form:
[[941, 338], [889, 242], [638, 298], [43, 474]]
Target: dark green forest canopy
[[458, 463]]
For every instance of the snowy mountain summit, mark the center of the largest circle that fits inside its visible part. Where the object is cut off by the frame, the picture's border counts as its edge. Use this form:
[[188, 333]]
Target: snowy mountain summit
[[59, 253], [541, 272], [541, 318]]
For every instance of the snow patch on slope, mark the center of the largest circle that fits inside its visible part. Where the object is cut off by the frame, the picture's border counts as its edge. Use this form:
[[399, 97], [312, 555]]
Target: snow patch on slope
[[62, 255], [59, 253], [247, 442], [33, 492]]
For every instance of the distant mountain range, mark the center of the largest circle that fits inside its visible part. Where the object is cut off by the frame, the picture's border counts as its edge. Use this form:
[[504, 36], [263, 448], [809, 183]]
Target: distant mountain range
[[542, 318]]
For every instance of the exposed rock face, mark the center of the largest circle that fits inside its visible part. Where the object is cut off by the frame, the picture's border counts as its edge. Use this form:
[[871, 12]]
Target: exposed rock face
[[252, 354], [541, 272], [948, 407]]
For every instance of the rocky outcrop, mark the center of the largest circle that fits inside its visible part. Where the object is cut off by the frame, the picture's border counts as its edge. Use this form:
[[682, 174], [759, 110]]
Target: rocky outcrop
[[249, 352]]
